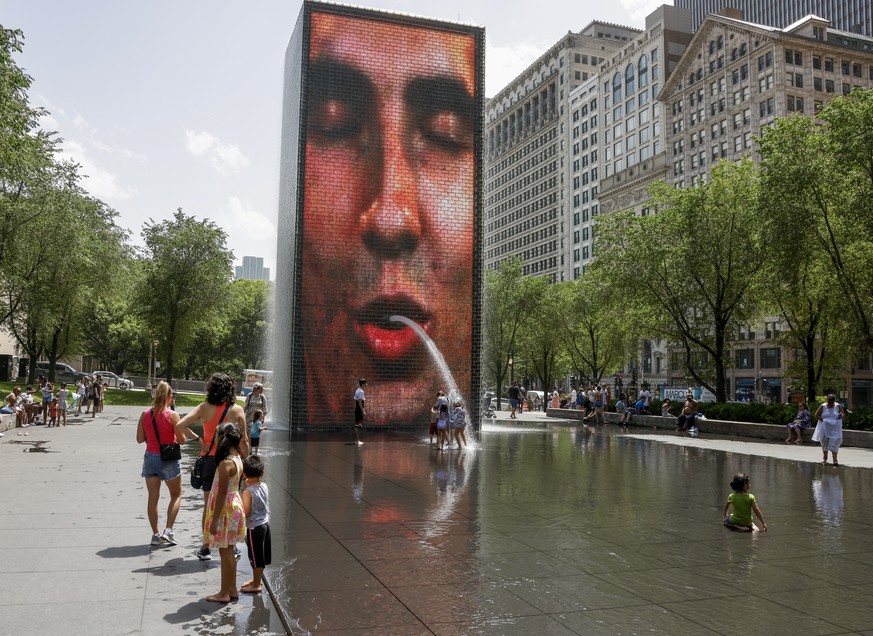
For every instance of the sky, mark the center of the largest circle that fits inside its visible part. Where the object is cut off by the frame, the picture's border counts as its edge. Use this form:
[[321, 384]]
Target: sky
[[172, 104]]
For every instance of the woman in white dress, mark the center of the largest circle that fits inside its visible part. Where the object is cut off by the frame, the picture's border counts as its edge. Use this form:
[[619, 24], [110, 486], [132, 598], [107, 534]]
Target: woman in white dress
[[829, 430]]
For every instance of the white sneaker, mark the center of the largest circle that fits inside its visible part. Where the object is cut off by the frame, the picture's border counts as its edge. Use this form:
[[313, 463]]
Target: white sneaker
[[169, 537], [157, 539]]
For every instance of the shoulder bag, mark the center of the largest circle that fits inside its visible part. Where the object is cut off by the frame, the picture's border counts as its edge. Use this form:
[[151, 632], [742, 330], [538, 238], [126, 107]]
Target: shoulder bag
[[197, 468], [169, 452]]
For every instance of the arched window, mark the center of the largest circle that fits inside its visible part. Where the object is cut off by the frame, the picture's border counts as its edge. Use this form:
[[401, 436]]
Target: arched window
[[643, 70], [616, 88], [629, 80]]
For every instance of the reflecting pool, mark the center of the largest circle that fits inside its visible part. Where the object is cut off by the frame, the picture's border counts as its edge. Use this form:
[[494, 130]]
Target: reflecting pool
[[562, 530]]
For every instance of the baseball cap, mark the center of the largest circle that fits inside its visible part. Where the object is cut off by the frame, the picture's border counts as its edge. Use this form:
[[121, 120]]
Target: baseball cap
[[257, 385]]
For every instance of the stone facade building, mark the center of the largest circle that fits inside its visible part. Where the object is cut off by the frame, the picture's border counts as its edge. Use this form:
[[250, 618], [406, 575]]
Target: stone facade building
[[633, 141], [527, 136]]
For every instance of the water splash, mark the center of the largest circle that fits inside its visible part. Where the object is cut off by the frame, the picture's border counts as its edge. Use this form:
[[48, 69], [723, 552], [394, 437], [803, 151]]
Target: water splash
[[453, 393]]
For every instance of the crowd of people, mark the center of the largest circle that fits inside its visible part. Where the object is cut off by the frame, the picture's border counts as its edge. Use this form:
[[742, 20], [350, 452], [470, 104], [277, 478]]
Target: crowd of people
[[228, 455], [55, 403]]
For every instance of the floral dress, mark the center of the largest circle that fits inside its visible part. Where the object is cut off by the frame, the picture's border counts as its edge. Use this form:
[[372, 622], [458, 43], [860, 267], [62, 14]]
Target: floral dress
[[232, 524]]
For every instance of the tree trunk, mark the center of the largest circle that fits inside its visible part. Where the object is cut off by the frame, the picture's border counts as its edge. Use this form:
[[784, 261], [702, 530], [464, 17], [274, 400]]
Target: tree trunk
[[811, 380]]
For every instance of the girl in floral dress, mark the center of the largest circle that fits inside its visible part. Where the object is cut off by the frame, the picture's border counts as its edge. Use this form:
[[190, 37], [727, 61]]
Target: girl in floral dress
[[225, 523]]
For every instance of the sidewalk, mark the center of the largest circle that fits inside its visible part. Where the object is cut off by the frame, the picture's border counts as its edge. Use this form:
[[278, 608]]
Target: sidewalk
[[77, 557]]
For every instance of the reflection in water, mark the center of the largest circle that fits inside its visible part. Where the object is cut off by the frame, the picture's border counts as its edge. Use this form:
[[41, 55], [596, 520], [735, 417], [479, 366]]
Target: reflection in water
[[528, 509], [828, 495]]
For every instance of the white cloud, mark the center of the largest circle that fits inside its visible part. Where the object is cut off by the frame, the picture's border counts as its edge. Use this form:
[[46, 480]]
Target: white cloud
[[504, 63], [249, 232], [226, 159], [639, 9], [98, 182]]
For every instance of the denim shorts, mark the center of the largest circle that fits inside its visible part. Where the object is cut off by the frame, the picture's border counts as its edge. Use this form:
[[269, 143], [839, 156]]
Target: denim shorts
[[154, 466]]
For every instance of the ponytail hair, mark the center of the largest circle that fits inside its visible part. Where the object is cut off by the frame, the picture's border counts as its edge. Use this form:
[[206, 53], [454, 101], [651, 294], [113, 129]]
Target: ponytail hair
[[228, 437], [162, 396]]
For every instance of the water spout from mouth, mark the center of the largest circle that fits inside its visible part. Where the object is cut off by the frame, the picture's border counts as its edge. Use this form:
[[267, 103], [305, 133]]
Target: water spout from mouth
[[453, 393]]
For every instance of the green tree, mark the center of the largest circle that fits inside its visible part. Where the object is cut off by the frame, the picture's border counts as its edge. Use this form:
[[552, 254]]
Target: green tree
[[186, 279], [249, 322], [818, 176], [539, 341], [510, 301], [592, 336], [689, 272], [27, 169]]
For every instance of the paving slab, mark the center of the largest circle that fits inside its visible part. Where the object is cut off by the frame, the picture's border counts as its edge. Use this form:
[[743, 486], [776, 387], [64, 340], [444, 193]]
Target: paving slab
[[539, 527]]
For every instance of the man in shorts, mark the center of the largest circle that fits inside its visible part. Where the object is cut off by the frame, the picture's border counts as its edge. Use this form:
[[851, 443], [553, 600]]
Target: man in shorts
[[360, 411]]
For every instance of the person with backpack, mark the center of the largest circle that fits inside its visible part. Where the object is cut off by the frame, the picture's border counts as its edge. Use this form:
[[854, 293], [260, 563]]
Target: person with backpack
[[255, 401]]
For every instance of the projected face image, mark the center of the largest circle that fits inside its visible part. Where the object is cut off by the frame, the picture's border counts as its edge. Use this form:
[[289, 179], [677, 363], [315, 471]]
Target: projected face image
[[388, 215]]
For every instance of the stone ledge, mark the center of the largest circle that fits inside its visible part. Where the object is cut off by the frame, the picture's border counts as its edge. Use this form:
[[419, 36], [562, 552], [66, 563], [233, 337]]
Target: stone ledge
[[7, 422], [776, 432]]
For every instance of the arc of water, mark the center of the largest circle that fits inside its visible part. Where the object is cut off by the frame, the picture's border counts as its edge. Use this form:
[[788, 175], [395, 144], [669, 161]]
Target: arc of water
[[436, 355]]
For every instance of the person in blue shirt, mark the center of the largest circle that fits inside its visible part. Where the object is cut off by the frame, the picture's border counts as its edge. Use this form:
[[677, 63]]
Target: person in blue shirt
[[640, 407], [257, 427]]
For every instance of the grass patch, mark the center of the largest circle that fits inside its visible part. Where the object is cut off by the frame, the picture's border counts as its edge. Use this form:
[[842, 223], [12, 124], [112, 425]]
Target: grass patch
[[119, 397]]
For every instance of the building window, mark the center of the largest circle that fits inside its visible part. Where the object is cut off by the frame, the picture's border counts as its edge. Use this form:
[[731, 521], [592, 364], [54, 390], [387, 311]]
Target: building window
[[771, 358], [616, 88], [816, 84], [643, 70], [745, 358], [795, 104], [829, 65]]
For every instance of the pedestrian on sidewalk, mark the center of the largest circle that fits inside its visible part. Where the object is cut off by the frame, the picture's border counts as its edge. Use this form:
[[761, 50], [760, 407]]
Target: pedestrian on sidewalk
[[220, 406], [157, 426], [225, 523]]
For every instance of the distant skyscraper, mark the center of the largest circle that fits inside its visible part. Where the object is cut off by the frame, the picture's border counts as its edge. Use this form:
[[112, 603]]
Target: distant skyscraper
[[252, 268], [855, 16]]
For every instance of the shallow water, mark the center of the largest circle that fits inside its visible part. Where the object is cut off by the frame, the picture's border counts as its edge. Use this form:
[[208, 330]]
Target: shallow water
[[561, 530]]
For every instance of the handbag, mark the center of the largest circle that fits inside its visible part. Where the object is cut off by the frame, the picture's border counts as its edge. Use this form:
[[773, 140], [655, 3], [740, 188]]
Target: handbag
[[169, 452], [197, 468]]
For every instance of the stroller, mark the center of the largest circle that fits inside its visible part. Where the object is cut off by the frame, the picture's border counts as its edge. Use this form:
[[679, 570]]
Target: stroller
[[487, 411]]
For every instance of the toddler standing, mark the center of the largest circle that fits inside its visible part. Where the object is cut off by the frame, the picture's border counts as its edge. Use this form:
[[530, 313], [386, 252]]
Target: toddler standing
[[53, 412], [256, 504], [257, 427], [743, 503], [442, 425]]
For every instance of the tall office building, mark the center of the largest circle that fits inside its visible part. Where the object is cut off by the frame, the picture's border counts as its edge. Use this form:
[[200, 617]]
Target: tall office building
[[583, 175], [252, 268], [526, 151], [632, 146], [855, 16]]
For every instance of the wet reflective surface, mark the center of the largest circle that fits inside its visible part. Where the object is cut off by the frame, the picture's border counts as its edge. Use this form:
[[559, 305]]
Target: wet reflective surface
[[562, 530]]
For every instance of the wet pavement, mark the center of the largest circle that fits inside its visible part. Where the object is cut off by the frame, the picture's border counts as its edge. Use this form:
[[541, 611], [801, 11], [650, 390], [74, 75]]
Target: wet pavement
[[541, 527], [559, 529], [76, 555]]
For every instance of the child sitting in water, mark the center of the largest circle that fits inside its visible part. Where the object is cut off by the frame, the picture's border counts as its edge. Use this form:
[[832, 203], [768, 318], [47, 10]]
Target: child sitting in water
[[743, 503]]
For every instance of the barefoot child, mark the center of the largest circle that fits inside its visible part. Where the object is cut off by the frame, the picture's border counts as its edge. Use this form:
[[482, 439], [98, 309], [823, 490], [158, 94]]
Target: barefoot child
[[442, 425], [257, 507], [53, 412], [744, 504], [63, 393], [459, 423], [225, 523], [257, 427]]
